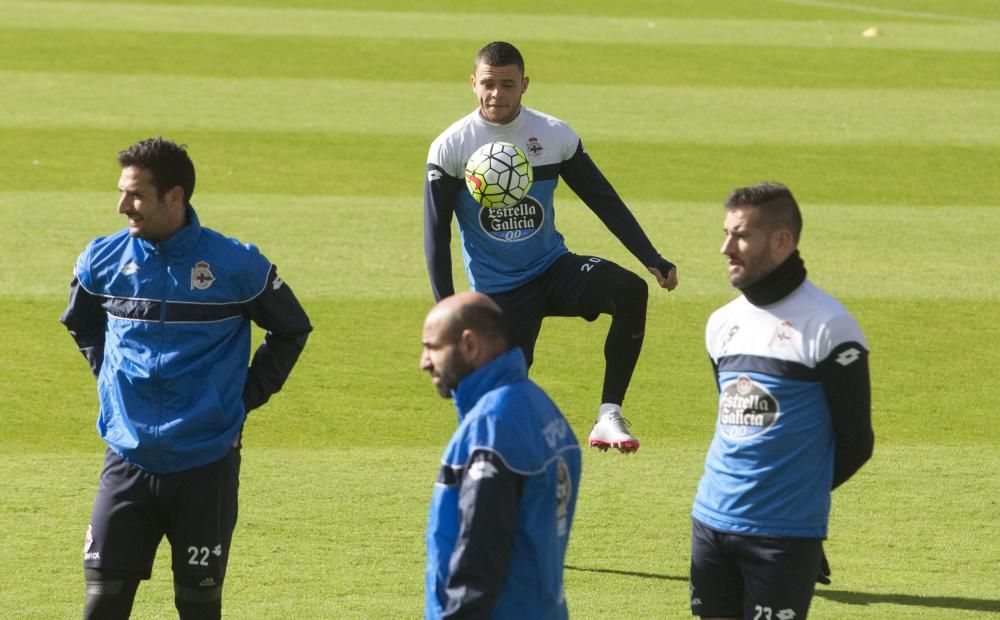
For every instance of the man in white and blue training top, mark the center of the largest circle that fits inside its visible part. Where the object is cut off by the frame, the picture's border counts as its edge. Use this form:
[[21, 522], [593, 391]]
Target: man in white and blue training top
[[794, 420], [506, 492], [516, 256]]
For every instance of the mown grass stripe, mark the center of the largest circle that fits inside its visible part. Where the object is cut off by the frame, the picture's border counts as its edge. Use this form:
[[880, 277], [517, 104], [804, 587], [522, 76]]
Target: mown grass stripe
[[305, 163], [642, 114], [875, 10], [549, 63], [712, 9], [480, 26], [378, 240]]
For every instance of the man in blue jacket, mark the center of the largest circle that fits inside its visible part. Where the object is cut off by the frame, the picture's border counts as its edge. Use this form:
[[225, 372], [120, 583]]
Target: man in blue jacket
[[161, 310], [505, 496]]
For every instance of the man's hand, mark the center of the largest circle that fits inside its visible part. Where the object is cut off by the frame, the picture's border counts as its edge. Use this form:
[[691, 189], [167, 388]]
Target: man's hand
[[668, 282]]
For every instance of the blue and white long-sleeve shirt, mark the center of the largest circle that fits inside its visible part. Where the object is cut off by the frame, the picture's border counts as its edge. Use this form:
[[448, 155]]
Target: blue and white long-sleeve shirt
[[794, 418], [505, 248]]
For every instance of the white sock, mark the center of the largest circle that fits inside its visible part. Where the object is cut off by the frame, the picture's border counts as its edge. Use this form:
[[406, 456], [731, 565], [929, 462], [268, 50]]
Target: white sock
[[609, 408]]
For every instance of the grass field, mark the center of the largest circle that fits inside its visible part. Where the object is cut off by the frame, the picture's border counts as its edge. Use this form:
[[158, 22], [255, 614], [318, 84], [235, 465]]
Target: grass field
[[309, 123]]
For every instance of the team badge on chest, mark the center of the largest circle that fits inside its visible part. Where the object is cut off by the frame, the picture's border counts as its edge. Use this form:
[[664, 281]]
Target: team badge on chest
[[201, 276], [785, 335]]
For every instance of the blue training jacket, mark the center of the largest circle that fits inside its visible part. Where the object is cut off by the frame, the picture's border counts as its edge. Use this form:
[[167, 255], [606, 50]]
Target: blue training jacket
[[166, 329], [504, 501]]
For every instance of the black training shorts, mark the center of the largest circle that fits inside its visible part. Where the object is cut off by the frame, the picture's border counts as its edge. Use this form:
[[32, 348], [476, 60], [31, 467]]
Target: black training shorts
[[564, 289], [741, 576], [134, 509]]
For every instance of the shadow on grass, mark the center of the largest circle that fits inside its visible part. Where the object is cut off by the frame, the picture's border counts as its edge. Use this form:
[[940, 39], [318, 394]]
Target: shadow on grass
[[943, 602], [627, 573], [842, 596]]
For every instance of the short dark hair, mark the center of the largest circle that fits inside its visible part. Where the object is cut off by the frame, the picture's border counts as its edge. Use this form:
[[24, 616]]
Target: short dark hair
[[168, 162], [499, 54], [777, 206], [484, 319]]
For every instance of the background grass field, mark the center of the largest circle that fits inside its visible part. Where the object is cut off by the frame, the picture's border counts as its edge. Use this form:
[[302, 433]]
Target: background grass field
[[309, 123]]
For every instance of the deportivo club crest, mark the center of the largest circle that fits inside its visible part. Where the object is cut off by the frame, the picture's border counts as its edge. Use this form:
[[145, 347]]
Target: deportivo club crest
[[534, 147], [201, 276], [784, 335]]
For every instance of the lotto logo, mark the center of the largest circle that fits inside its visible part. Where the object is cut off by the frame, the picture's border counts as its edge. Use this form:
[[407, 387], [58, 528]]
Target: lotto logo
[[848, 357], [766, 613]]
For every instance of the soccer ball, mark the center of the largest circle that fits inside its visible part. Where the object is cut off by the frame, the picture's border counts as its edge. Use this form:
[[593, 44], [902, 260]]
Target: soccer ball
[[498, 175]]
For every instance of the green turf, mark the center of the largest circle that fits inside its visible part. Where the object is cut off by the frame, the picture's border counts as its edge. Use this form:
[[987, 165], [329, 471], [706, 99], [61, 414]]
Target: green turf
[[720, 116], [309, 125], [927, 11], [667, 63]]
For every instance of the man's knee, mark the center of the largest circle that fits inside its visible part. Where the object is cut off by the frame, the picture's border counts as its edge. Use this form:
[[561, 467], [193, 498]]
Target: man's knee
[[614, 290], [109, 594], [635, 289], [198, 598], [627, 291]]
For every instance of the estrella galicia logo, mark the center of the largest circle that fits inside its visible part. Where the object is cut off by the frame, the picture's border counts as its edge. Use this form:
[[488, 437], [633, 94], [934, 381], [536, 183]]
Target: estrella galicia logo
[[513, 224], [746, 409]]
